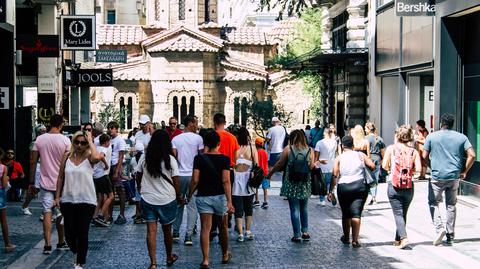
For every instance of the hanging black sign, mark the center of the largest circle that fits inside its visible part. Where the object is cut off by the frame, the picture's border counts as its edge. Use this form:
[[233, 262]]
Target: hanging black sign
[[89, 77], [38, 46], [415, 8], [46, 107], [3, 11], [77, 32]]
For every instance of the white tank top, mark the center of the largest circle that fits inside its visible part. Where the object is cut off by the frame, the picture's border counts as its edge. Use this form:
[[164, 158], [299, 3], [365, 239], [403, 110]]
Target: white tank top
[[240, 183], [78, 185], [351, 167]]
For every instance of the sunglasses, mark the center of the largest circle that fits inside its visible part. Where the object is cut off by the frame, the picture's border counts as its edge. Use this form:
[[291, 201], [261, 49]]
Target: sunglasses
[[10, 153], [83, 143], [88, 129], [172, 123]]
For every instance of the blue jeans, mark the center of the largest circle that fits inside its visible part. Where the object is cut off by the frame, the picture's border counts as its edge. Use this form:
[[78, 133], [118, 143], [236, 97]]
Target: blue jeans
[[298, 215], [375, 174], [191, 209], [328, 180]]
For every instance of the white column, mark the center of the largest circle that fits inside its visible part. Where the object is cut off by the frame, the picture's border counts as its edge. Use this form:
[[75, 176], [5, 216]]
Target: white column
[[356, 24]]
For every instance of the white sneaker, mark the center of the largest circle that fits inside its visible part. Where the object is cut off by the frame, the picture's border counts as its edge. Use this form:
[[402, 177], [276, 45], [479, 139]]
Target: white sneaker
[[78, 266], [322, 203], [26, 211], [438, 238]]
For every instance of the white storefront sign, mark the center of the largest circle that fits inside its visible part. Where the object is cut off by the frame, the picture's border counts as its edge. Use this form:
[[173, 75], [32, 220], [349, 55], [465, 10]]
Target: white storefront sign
[[46, 85], [429, 107], [4, 98]]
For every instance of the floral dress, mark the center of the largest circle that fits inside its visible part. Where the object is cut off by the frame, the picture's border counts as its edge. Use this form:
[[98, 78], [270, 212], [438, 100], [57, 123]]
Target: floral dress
[[294, 189]]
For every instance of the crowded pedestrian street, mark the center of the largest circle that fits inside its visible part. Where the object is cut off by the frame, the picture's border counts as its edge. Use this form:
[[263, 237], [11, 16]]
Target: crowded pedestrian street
[[123, 246]]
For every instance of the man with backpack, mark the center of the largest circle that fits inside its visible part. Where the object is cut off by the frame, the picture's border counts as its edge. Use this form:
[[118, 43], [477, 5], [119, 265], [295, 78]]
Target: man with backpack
[[316, 134], [277, 139], [446, 149]]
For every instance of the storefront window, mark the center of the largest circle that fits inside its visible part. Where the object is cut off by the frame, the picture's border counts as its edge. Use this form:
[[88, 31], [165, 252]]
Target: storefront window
[[388, 41]]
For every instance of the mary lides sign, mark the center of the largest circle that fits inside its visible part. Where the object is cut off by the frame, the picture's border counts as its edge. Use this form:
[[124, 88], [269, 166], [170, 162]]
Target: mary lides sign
[[77, 32], [408, 8], [89, 77]]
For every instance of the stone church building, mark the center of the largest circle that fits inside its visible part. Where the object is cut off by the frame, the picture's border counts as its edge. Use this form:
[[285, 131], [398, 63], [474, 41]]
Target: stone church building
[[185, 60]]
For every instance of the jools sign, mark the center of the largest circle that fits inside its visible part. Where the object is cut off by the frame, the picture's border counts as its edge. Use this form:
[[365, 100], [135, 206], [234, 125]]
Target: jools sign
[[415, 8], [89, 77], [77, 32]]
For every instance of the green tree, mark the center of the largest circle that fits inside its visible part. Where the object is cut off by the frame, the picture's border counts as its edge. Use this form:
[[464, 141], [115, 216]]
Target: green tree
[[307, 38], [108, 113], [293, 7], [260, 113]]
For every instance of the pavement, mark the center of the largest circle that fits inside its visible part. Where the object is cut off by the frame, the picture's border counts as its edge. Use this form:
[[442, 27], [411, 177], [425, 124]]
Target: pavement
[[124, 246]]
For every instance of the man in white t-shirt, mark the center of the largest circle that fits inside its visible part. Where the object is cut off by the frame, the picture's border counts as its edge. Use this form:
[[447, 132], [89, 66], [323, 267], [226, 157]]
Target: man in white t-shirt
[[185, 147], [275, 139], [144, 134], [325, 152], [53, 148], [118, 152]]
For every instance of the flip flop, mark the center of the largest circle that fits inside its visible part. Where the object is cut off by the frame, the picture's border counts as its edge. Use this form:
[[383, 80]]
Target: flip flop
[[173, 260], [229, 258]]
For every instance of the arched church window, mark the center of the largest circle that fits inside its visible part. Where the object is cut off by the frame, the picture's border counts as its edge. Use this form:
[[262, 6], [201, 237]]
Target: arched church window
[[191, 107], [183, 109], [129, 112], [236, 110], [122, 113], [243, 110], [181, 10], [175, 107]]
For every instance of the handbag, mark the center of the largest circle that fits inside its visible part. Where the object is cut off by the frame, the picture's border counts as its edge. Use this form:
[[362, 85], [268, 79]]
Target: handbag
[[369, 180], [256, 174], [319, 187]]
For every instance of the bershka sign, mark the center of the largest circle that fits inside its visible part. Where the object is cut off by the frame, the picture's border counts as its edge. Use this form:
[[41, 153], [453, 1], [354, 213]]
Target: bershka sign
[[3, 11], [408, 8], [77, 32], [38, 46], [111, 56], [89, 77]]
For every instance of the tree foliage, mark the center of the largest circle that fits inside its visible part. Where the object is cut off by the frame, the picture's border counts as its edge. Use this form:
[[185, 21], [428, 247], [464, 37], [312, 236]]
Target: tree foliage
[[292, 7], [108, 113], [260, 114], [307, 38]]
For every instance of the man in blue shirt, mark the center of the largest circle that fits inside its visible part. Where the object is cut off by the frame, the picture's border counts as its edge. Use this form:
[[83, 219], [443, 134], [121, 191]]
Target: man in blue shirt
[[316, 134], [446, 150]]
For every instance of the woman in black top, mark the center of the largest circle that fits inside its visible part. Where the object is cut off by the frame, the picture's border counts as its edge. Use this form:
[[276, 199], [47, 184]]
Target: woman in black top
[[211, 179]]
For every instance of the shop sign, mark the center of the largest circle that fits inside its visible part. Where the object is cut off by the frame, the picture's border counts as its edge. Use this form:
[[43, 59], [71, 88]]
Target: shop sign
[[77, 32], [3, 11], [111, 56], [46, 107], [46, 85], [89, 77], [45, 46], [408, 8], [4, 98]]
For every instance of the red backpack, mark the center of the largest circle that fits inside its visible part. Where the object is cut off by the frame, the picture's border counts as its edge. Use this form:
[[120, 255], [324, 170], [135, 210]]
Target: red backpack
[[403, 168]]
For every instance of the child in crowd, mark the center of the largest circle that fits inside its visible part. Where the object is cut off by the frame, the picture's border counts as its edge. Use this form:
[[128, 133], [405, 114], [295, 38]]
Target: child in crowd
[[263, 163], [103, 187]]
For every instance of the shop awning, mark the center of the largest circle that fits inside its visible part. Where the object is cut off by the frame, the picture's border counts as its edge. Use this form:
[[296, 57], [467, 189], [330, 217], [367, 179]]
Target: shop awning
[[320, 60]]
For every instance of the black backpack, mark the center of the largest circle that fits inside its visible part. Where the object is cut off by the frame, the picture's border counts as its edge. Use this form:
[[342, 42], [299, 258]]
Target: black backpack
[[298, 168], [256, 175], [285, 140]]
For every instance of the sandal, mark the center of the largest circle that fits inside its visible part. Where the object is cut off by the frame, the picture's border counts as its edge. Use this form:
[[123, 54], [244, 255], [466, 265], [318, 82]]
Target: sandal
[[296, 239], [153, 266], [173, 260], [345, 240], [356, 245], [229, 258], [203, 266]]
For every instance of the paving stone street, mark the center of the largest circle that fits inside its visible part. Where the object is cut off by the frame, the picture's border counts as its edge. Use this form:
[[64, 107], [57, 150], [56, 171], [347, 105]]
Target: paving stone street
[[123, 246]]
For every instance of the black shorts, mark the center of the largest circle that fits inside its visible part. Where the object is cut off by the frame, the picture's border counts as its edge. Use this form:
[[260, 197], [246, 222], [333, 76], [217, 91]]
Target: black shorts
[[243, 205], [352, 197], [103, 185]]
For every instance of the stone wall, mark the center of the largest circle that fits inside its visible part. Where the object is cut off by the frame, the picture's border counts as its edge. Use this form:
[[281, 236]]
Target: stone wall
[[253, 53], [290, 94]]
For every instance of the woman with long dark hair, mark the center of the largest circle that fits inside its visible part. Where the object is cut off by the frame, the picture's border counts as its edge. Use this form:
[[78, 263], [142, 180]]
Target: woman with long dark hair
[[242, 194], [157, 171], [299, 160]]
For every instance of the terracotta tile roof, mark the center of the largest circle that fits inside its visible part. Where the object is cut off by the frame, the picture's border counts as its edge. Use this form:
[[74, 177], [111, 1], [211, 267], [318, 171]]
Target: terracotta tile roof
[[237, 70], [182, 39], [282, 30], [119, 34], [246, 36]]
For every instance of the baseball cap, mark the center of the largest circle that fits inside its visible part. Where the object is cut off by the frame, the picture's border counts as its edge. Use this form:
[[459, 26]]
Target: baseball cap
[[275, 119], [259, 141], [144, 119]]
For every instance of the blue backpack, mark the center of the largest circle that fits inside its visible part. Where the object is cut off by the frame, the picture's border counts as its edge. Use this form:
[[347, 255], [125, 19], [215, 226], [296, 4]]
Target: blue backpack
[[298, 168]]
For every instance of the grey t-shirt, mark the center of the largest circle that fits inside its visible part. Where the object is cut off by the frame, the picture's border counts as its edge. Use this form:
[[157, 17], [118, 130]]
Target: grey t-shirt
[[447, 151], [376, 145]]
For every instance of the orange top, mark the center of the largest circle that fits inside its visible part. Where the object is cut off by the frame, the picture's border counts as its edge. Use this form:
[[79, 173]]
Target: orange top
[[263, 160], [228, 145]]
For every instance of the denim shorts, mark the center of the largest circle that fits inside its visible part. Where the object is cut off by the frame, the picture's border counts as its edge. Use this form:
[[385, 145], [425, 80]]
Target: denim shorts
[[3, 199], [165, 214], [265, 184], [48, 200], [273, 158], [216, 205]]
